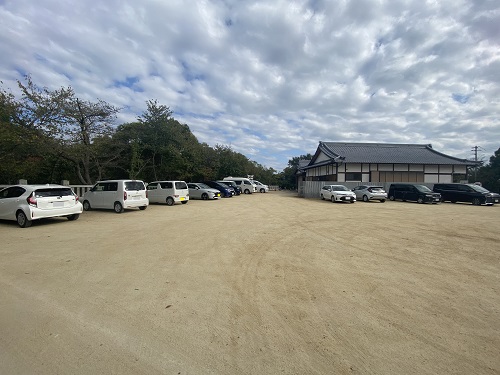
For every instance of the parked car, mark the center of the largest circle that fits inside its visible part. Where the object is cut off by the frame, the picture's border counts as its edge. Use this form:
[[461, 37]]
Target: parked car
[[198, 190], [237, 189], [169, 192], [260, 186], [370, 193], [413, 192], [475, 194], [337, 193], [226, 191], [117, 195], [246, 185], [26, 203]]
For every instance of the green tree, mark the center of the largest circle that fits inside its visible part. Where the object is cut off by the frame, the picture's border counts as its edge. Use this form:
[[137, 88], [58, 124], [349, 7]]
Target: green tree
[[489, 174], [289, 174], [70, 126]]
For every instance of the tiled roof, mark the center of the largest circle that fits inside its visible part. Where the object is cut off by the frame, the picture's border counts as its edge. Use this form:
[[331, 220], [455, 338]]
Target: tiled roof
[[387, 153]]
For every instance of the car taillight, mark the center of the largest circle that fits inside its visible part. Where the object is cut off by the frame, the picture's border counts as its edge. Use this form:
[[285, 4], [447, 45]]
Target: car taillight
[[77, 198], [124, 195], [31, 200]]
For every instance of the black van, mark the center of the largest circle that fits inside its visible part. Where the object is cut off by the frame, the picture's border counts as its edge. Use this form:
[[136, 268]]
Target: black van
[[413, 192], [472, 193]]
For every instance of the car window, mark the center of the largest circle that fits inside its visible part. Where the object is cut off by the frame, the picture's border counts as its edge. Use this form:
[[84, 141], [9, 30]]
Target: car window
[[53, 192], [423, 189], [98, 187], [479, 188], [152, 186], [340, 188], [166, 185], [111, 186], [12, 192], [180, 185], [134, 185]]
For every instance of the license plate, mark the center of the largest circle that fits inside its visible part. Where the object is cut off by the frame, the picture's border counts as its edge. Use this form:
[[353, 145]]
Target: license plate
[[58, 204], [182, 198]]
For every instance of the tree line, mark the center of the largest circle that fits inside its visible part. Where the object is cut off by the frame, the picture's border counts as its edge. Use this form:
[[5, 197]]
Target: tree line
[[47, 136]]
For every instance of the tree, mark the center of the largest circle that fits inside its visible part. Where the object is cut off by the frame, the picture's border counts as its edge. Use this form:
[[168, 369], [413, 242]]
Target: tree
[[489, 174], [289, 174], [72, 123]]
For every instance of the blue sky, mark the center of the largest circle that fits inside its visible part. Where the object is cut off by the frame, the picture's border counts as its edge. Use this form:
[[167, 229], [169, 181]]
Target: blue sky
[[273, 78]]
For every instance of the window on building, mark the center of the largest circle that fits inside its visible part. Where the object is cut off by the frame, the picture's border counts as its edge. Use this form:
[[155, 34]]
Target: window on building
[[353, 176]]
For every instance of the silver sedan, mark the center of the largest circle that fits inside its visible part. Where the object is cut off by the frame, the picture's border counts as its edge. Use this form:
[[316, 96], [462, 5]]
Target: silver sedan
[[370, 193], [198, 190]]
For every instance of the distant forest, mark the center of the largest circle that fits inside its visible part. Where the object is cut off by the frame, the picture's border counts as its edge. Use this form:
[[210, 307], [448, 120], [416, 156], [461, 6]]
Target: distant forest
[[47, 136]]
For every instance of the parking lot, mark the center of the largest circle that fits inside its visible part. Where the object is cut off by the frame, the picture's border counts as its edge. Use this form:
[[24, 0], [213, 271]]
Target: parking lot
[[255, 284]]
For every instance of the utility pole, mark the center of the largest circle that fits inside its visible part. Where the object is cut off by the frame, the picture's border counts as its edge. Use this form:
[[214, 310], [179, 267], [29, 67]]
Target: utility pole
[[475, 150]]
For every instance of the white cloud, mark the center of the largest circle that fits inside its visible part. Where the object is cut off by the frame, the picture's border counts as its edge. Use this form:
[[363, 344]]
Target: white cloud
[[272, 79]]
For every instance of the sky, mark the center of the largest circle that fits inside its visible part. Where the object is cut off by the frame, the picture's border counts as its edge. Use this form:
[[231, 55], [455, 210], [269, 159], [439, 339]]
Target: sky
[[271, 79]]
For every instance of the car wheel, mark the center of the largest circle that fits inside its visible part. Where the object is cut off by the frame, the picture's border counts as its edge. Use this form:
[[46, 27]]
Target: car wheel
[[476, 201], [142, 208], [420, 200], [441, 200], [204, 196], [262, 190], [86, 205], [322, 197], [247, 191], [118, 207], [392, 197], [332, 199], [170, 201], [184, 202], [22, 220], [73, 217], [365, 198], [382, 200]]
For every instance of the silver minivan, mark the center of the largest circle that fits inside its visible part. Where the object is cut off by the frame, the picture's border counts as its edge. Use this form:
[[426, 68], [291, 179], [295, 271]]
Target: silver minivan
[[117, 195], [169, 192]]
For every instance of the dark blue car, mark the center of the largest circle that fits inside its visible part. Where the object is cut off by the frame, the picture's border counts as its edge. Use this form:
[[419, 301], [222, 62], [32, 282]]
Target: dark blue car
[[225, 190]]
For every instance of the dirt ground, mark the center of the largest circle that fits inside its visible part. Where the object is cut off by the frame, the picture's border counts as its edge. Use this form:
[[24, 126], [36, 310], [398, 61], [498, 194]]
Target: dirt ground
[[260, 284]]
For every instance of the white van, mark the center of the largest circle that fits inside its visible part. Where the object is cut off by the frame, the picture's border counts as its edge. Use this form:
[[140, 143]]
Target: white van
[[117, 195], [169, 192], [260, 186], [244, 183]]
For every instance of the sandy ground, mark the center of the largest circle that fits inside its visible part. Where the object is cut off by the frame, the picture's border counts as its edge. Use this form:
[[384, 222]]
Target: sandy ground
[[260, 284]]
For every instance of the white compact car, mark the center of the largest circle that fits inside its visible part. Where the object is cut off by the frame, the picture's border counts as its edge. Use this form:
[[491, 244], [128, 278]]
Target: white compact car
[[337, 193], [116, 195], [260, 186], [25, 203], [169, 192]]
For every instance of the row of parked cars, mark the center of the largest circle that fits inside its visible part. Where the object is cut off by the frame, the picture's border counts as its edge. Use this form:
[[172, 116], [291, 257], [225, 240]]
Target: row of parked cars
[[472, 193], [26, 203]]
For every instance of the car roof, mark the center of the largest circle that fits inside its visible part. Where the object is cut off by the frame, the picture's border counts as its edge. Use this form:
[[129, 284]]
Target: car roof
[[38, 186]]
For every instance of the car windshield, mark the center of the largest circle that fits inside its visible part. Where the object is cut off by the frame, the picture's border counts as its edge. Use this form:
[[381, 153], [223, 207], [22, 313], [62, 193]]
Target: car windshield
[[377, 188], [134, 185], [478, 188], [339, 188], [423, 189], [57, 192], [204, 186]]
